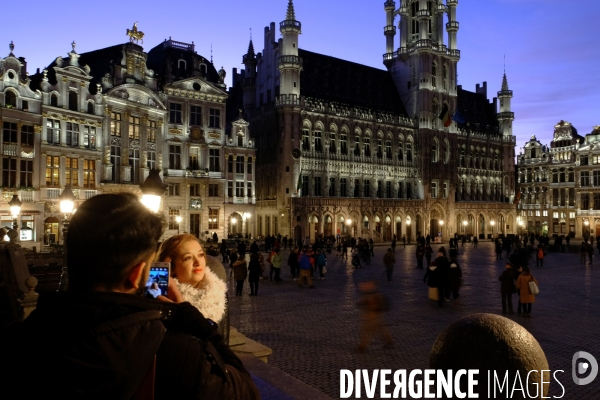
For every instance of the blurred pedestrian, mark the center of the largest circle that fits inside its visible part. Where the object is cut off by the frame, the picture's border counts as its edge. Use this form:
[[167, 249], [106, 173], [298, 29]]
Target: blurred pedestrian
[[372, 306], [454, 275], [240, 273], [293, 262], [254, 273], [507, 288], [389, 261]]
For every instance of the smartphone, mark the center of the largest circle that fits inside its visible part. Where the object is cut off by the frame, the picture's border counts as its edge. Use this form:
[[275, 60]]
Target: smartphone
[[158, 280]]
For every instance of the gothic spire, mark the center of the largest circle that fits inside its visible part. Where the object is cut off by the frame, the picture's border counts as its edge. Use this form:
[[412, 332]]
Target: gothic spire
[[290, 15], [504, 83], [251, 49]]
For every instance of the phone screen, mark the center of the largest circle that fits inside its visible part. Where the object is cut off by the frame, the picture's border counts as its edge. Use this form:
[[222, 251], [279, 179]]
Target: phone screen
[[158, 280]]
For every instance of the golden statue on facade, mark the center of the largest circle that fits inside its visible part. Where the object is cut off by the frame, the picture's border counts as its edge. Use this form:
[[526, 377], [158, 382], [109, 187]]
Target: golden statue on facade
[[134, 34]]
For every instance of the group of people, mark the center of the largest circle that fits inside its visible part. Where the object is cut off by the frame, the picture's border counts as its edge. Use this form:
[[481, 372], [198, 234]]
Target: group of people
[[516, 279], [443, 276], [102, 338]]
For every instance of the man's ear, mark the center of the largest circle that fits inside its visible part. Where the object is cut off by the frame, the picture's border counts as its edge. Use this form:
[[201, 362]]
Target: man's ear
[[136, 273]]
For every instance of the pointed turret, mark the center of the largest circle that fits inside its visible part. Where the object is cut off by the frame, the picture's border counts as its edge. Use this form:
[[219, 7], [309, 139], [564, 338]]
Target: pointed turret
[[290, 15], [289, 63], [249, 81], [505, 116]]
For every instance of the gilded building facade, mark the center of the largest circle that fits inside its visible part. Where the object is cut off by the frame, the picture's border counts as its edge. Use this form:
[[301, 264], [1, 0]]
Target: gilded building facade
[[349, 149], [559, 183], [100, 121]]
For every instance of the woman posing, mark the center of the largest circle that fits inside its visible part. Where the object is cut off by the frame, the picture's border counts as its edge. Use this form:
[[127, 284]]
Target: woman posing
[[197, 283]]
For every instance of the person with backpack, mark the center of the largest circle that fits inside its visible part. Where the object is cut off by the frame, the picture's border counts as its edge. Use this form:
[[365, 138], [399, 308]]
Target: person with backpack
[[539, 261]]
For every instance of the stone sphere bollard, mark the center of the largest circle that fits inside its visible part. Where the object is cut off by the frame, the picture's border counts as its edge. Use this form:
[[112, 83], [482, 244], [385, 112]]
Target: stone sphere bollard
[[490, 342]]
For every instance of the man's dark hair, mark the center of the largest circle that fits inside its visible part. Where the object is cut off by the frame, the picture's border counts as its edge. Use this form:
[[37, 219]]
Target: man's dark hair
[[107, 236]]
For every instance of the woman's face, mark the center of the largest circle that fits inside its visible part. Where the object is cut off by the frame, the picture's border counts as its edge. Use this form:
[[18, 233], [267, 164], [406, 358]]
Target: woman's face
[[190, 263]]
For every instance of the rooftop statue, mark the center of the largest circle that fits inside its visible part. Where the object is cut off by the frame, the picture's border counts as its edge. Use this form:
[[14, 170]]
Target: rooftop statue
[[134, 34]]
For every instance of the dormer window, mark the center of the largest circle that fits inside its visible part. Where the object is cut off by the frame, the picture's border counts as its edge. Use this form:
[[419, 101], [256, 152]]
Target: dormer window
[[73, 100], [182, 64], [10, 99], [54, 100]]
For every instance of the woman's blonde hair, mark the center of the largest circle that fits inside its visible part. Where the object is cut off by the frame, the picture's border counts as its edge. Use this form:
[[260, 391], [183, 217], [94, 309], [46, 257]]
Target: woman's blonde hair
[[168, 249]]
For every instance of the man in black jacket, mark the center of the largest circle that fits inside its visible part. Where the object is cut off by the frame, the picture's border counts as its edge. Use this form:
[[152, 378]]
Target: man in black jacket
[[101, 339]]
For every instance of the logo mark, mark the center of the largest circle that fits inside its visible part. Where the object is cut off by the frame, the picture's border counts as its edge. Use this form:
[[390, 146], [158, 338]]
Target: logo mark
[[583, 367]]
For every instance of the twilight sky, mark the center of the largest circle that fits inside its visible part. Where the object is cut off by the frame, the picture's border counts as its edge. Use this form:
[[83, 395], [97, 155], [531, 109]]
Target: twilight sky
[[551, 46]]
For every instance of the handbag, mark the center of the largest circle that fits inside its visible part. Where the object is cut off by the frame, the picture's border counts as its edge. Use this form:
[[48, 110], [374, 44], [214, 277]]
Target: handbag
[[533, 287], [324, 269], [434, 294]]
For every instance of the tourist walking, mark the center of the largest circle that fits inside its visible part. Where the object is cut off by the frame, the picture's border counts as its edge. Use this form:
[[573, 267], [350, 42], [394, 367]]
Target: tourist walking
[[394, 244], [420, 254], [389, 260], [590, 251], [539, 261], [582, 252], [240, 273], [305, 269], [321, 261], [293, 262], [356, 259], [372, 305], [428, 253], [276, 264], [432, 278], [443, 266], [254, 273], [527, 298], [454, 276], [507, 288]]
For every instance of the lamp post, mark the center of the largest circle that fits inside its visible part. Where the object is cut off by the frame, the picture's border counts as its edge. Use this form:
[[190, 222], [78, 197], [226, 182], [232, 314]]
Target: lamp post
[[492, 222], [233, 223], [15, 209], [67, 203], [441, 228], [586, 231], [178, 219], [152, 190], [349, 224]]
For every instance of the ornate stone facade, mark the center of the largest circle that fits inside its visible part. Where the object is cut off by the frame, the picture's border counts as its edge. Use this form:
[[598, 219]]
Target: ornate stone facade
[[345, 148]]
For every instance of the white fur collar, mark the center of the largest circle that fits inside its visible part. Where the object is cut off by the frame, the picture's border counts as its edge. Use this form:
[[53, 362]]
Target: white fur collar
[[209, 298]]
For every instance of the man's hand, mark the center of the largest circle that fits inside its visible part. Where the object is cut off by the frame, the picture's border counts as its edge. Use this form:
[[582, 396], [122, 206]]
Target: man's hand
[[173, 293]]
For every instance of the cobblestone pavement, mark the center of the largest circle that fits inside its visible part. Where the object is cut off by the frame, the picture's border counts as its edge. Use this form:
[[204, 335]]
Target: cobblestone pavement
[[314, 333]]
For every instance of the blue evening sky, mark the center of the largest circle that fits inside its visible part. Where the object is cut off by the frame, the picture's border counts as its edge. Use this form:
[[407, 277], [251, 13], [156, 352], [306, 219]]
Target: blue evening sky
[[551, 46]]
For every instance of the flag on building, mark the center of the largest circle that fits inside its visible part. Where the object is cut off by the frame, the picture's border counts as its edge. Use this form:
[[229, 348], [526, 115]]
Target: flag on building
[[299, 184], [445, 116], [457, 116], [517, 198]]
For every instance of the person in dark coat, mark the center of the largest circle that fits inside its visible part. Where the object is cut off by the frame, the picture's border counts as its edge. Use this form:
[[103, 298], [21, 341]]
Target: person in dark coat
[[254, 248], [240, 273], [102, 339], [432, 278], [254, 272], [507, 288], [420, 254], [241, 249], [293, 262], [454, 275], [442, 266], [428, 253]]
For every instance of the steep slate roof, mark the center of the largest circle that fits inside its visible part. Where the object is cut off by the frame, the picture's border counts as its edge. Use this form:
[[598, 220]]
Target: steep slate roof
[[99, 61], [331, 79], [476, 109], [159, 55]]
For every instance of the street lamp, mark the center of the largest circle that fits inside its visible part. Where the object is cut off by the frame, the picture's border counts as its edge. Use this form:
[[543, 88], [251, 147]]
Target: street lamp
[[178, 219], [15, 209], [152, 190], [492, 222], [441, 222], [67, 203]]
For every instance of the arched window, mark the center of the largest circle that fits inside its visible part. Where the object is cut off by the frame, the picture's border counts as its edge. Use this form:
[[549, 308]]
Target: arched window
[[400, 152], [10, 99], [54, 100], [433, 75], [409, 152], [73, 99], [434, 151], [90, 108]]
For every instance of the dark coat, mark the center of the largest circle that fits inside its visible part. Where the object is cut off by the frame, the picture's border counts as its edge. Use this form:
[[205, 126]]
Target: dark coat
[[254, 270], [508, 281], [240, 273], [454, 275], [432, 276], [100, 345]]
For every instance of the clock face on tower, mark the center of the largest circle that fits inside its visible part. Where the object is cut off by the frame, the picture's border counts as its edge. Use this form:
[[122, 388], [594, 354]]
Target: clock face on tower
[[296, 153]]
